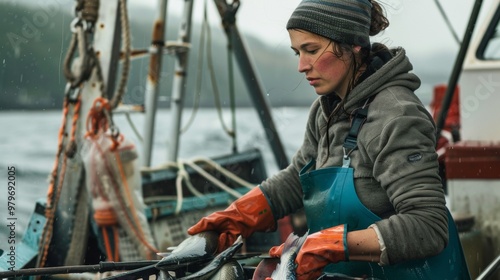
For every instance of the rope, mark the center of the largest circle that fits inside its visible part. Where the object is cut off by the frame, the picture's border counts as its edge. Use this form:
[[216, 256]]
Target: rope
[[69, 55], [183, 176], [87, 58], [178, 189], [214, 180], [54, 193], [99, 119], [214, 85], [134, 128], [206, 28], [107, 219], [111, 256], [60, 138], [117, 97], [226, 172], [138, 231], [72, 147]]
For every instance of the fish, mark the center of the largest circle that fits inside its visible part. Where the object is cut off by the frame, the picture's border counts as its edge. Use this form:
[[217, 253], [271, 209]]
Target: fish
[[232, 270], [197, 248], [340, 276], [285, 270], [217, 263]]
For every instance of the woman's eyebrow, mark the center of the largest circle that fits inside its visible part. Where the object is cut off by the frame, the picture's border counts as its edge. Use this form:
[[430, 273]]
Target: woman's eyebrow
[[304, 45]]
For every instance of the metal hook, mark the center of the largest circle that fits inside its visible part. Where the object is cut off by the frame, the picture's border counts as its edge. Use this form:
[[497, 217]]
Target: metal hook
[[346, 159], [115, 132], [72, 93]]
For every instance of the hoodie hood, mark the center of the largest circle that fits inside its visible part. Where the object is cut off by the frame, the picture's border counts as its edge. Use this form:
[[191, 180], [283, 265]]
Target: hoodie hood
[[395, 72]]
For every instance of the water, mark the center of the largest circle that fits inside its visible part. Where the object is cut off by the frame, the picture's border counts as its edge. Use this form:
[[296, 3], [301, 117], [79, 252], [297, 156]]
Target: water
[[28, 142]]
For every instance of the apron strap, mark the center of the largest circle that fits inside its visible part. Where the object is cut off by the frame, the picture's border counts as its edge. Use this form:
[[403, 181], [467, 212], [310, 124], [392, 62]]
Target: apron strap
[[351, 141]]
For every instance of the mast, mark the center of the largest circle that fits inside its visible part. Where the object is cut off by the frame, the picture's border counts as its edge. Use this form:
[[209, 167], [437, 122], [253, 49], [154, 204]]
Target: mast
[[179, 84], [252, 79], [152, 88], [68, 230], [457, 68]]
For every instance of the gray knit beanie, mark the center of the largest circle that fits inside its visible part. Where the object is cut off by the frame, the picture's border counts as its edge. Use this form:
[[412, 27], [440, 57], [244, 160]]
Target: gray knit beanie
[[344, 21]]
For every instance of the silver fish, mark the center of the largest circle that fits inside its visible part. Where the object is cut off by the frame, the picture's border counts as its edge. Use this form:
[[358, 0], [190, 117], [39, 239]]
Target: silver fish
[[219, 260], [340, 276], [197, 248], [231, 270], [286, 268]]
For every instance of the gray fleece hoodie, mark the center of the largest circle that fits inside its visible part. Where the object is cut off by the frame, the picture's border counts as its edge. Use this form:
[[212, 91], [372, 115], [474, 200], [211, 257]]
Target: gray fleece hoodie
[[395, 165]]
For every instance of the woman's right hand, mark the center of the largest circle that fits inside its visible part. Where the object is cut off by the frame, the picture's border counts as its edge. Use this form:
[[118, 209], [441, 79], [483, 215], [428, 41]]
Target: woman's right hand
[[246, 215]]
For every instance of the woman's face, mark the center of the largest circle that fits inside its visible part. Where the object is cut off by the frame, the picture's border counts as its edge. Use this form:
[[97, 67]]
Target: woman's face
[[325, 71]]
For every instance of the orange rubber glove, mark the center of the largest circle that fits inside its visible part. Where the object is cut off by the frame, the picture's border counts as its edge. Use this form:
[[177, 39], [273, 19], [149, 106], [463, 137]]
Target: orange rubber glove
[[248, 214], [320, 249]]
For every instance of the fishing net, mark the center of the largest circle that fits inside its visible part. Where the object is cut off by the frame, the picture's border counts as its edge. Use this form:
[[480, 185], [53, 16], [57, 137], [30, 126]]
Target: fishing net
[[114, 183]]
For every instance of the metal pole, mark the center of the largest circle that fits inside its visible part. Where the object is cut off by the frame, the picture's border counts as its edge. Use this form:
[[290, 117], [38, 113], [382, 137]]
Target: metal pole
[[179, 82], [254, 86], [109, 64], [152, 88], [252, 80], [101, 267], [490, 270], [231, 95], [457, 68]]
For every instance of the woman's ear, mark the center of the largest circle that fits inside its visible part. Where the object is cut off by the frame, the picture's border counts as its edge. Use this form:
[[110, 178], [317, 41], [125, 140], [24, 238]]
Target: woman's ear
[[356, 49]]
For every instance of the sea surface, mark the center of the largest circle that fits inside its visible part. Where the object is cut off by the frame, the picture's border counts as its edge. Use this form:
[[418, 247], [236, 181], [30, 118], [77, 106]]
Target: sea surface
[[28, 142]]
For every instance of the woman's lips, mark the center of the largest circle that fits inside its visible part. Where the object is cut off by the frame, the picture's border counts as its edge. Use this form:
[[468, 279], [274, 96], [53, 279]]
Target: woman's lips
[[313, 81]]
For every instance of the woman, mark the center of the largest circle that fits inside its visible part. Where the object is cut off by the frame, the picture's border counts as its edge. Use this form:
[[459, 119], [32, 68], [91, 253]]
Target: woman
[[367, 172]]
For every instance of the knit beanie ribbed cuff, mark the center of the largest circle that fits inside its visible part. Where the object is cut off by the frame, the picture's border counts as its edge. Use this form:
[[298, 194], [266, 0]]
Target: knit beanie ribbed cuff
[[344, 21]]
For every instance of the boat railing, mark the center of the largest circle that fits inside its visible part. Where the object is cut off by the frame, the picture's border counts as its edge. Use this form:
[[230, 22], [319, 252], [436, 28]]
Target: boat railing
[[490, 270]]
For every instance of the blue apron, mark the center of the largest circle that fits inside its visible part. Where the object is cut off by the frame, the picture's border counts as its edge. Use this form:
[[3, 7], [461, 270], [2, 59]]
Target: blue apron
[[330, 199]]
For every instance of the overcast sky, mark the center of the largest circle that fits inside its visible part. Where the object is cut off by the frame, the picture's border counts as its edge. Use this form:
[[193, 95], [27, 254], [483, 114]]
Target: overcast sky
[[415, 24]]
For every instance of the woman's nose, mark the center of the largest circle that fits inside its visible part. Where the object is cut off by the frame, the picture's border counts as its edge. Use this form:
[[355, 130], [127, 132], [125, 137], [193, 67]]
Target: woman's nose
[[304, 64]]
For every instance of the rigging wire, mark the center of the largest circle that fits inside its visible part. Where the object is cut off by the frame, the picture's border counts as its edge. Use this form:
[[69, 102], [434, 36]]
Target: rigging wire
[[134, 128], [196, 102], [214, 85], [447, 21], [206, 28]]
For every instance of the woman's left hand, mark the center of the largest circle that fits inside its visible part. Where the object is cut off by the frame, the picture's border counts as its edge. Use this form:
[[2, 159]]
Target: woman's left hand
[[320, 249]]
